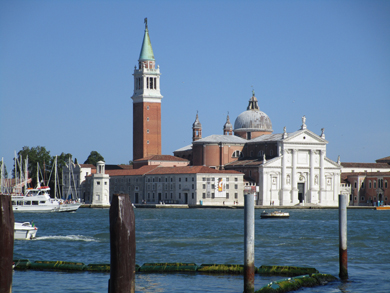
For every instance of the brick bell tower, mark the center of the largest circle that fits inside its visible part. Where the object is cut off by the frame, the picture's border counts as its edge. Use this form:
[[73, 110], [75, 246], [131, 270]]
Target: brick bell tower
[[146, 103]]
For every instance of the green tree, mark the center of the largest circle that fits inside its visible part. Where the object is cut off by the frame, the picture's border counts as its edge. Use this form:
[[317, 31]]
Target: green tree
[[35, 155], [93, 158]]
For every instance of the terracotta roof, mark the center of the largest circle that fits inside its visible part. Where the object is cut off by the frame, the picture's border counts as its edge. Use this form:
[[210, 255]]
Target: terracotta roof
[[386, 158], [87, 166], [190, 170], [119, 167], [161, 158], [131, 172], [364, 165]]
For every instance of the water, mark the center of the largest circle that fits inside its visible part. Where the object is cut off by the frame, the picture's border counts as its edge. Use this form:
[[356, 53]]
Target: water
[[307, 238]]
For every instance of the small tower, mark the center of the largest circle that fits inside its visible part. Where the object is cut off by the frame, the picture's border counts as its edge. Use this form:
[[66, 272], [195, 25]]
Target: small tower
[[228, 127], [100, 186], [196, 129], [146, 103]]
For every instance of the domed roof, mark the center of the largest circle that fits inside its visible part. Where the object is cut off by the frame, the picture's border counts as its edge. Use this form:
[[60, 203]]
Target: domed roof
[[197, 124], [228, 125], [253, 119]]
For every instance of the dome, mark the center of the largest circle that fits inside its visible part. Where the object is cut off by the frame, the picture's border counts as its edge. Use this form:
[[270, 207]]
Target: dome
[[252, 119]]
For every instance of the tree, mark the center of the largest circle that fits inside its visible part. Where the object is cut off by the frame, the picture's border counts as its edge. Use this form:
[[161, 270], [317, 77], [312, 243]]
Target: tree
[[93, 158], [35, 155]]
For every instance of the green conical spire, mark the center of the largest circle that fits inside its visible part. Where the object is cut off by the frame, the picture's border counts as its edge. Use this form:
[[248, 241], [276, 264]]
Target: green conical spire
[[146, 50]]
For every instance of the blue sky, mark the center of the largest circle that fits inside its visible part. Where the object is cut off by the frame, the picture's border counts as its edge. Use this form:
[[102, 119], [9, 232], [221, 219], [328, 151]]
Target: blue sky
[[66, 72]]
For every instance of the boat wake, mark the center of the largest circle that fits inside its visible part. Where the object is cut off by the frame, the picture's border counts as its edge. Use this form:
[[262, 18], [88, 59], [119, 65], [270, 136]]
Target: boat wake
[[68, 238]]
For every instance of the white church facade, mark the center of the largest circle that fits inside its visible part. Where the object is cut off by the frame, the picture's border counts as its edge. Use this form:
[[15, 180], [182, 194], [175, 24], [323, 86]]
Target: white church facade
[[300, 174]]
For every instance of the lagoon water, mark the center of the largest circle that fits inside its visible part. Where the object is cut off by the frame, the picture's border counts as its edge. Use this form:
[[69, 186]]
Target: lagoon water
[[307, 238]]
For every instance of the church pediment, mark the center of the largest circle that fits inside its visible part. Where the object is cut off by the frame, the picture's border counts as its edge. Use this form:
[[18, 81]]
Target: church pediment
[[304, 137]]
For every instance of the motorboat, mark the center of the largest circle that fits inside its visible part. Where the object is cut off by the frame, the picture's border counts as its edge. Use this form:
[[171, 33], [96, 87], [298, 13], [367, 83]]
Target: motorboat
[[69, 205], [274, 214], [35, 200], [25, 230], [384, 207]]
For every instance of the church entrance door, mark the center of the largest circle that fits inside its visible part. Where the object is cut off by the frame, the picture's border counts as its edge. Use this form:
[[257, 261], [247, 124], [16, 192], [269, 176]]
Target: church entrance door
[[301, 192]]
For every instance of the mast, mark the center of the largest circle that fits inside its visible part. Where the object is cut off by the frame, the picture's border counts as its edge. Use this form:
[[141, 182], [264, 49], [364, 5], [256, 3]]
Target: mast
[[25, 174], [2, 176], [38, 183], [55, 178]]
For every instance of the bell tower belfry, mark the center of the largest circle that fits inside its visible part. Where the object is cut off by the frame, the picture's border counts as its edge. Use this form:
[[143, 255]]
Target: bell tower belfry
[[146, 103]]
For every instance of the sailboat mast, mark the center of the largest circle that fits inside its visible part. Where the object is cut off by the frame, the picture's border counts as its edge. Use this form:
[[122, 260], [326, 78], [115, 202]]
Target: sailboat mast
[[2, 176], [55, 178], [38, 183], [25, 174]]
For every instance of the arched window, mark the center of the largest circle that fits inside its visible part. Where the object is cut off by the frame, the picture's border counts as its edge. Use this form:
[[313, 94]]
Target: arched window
[[260, 154]]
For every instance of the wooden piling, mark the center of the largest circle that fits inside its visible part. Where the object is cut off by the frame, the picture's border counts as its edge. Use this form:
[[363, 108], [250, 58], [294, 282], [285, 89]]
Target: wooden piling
[[7, 223], [122, 245], [249, 245], [343, 256]]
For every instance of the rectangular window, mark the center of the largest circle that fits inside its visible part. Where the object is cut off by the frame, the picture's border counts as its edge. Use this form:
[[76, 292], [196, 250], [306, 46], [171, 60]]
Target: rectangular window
[[374, 184], [213, 195], [193, 195], [204, 186], [227, 186], [235, 186], [236, 195], [235, 179], [227, 195], [204, 179], [179, 186], [203, 195], [193, 186], [98, 182], [179, 179], [179, 195]]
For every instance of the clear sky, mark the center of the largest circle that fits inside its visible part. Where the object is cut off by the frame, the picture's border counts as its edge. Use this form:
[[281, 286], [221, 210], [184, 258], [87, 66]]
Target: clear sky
[[66, 72]]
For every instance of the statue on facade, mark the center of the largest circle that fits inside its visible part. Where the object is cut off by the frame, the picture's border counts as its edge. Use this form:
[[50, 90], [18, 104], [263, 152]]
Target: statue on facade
[[303, 122]]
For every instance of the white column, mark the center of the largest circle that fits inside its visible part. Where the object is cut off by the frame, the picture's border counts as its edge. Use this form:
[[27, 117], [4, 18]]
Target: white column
[[285, 195], [294, 177], [322, 176]]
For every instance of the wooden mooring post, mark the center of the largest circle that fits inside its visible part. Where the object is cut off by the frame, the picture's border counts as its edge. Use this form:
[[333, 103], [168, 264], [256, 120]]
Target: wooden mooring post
[[343, 256], [249, 245], [7, 223], [122, 245]]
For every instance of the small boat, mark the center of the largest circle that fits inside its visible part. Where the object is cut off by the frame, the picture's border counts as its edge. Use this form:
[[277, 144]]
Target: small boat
[[25, 230], [385, 207], [69, 205], [275, 215]]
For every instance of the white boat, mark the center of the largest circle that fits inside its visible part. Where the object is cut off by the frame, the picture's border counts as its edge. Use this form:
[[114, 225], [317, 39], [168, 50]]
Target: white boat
[[274, 214], [25, 231], [69, 205], [35, 200]]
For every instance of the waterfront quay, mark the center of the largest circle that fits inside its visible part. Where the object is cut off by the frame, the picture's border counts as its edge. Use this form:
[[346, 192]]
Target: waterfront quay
[[186, 206]]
